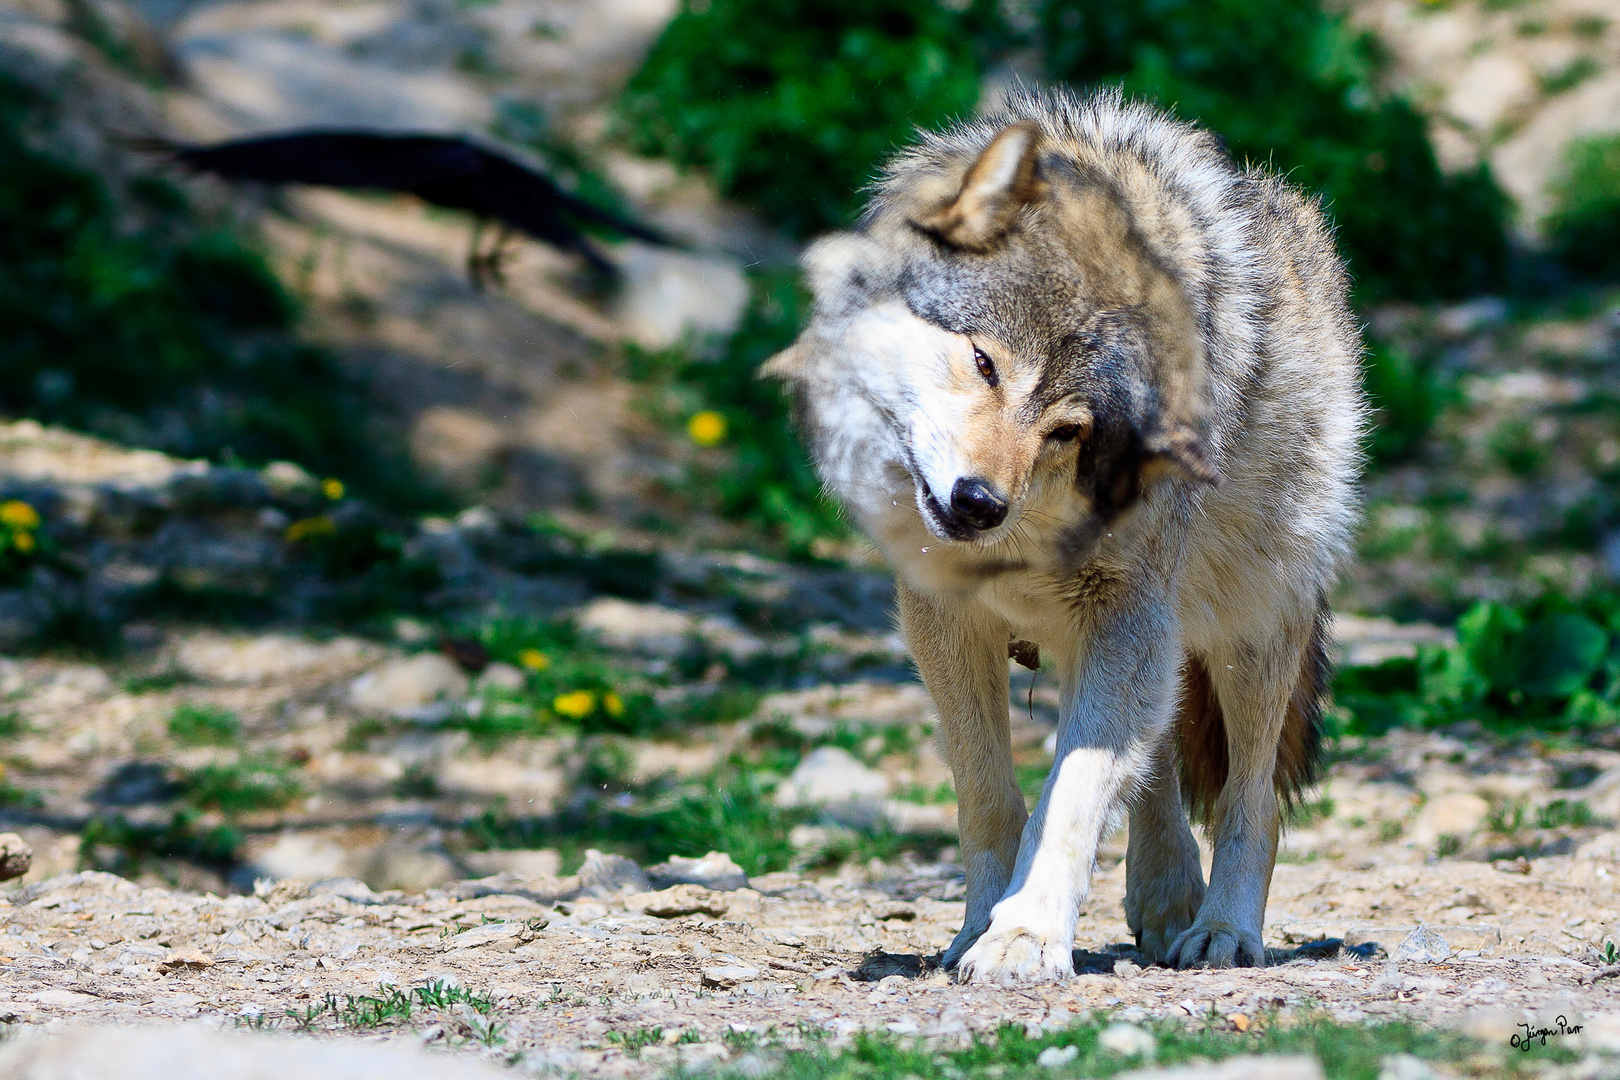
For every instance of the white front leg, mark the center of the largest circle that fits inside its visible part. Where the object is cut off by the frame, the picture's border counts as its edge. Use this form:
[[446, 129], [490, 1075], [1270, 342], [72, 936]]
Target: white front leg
[[1118, 690]]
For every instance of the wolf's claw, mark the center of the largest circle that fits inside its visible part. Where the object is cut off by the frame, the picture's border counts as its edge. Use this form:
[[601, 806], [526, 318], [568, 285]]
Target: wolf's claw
[[1216, 945], [1016, 957]]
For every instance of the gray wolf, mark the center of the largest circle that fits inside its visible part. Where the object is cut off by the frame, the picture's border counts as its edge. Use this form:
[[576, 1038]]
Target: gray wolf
[[1092, 388]]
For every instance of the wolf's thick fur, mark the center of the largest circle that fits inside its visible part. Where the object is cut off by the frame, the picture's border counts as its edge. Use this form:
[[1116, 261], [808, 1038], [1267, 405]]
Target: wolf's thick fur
[[1089, 385]]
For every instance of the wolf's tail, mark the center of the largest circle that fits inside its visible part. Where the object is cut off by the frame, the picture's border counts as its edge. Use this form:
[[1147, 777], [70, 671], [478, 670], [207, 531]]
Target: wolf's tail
[[1200, 730]]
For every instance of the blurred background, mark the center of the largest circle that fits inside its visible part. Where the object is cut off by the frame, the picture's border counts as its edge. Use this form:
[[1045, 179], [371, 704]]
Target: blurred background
[[320, 557]]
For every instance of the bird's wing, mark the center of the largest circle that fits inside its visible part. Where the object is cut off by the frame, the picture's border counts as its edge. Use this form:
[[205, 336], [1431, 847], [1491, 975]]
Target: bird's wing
[[349, 159], [579, 208], [530, 200]]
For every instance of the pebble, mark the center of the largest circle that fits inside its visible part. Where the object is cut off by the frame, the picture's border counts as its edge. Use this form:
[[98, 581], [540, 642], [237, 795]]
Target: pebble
[[16, 857], [713, 871], [406, 686], [1128, 1040], [1422, 946]]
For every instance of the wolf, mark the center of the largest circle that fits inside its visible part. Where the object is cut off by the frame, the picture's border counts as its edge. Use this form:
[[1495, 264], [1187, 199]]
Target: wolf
[[1094, 392]]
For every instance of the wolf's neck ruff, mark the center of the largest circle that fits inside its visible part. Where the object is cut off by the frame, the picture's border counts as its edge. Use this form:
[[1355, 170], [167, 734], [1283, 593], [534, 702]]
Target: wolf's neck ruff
[[1093, 389]]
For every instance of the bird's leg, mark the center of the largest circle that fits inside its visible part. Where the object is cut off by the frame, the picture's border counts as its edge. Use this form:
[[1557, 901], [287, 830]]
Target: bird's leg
[[477, 264], [498, 254]]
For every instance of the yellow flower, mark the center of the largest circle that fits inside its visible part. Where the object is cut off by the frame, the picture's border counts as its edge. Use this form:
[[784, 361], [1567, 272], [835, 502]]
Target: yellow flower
[[534, 659], [332, 488], [613, 704], [17, 514], [576, 705], [707, 428], [315, 526], [23, 541]]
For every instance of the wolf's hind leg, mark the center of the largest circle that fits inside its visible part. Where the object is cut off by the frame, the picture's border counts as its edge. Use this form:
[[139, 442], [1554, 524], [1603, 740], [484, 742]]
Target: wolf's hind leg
[[961, 651], [1269, 696], [1164, 881]]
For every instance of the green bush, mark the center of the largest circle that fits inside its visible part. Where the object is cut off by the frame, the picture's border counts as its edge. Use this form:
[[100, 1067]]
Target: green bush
[[1289, 85], [791, 104], [759, 472], [1407, 393], [1584, 226], [1551, 664], [126, 313]]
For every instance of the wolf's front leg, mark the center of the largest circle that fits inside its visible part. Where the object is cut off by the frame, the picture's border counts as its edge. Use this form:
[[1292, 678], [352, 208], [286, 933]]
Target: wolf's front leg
[[961, 650], [1117, 693]]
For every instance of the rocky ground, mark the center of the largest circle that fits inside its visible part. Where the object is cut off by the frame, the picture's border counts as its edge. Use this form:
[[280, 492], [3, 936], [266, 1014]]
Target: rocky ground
[[298, 764]]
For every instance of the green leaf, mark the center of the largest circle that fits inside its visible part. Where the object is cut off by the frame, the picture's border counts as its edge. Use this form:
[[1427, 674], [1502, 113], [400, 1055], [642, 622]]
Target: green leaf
[[1556, 656]]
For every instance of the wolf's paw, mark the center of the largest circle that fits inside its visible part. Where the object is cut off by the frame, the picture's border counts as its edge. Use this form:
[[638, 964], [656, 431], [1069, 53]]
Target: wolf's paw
[[1157, 918], [1216, 944], [1156, 934], [964, 940], [1016, 956]]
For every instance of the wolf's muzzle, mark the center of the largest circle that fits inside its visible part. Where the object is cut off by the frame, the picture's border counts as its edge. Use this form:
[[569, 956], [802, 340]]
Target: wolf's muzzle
[[976, 504]]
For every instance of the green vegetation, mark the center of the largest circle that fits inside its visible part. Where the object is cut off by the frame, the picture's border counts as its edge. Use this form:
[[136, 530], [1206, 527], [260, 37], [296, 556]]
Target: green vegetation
[[388, 1007], [757, 472], [120, 846], [793, 108], [1291, 86], [128, 314], [1584, 226], [251, 783], [731, 809], [204, 725], [1407, 393], [1346, 1051], [791, 105], [1551, 664], [158, 681]]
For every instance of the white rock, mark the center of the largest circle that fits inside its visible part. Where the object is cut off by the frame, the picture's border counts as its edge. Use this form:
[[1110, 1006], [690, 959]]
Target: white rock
[[195, 1052], [1128, 1040], [498, 936], [301, 857], [503, 676], [1055, 1057], [1423, 946], [1244, 1067], [526, 864], [285, 478], [403, 866], [668, 295], [262, 658], [1405, 1067], [644, 628], [400, 687], [725, 976], [714, 871], [831, 778], [604, 875], [16, 857], [1457, 814]]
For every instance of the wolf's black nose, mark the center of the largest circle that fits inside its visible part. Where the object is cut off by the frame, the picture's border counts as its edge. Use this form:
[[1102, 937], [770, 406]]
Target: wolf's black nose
[[977, 503]]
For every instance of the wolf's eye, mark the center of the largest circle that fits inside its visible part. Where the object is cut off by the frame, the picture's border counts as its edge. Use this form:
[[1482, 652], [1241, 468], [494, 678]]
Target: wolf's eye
[[987, 366], [1066, 433]]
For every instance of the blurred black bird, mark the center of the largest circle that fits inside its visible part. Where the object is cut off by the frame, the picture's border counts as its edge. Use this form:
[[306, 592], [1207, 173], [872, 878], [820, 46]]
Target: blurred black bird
[[439, 169]]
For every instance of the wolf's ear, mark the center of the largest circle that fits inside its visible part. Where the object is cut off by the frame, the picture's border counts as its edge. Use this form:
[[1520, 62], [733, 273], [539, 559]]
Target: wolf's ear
[[786, 365], [1177, 451], [997, 186]]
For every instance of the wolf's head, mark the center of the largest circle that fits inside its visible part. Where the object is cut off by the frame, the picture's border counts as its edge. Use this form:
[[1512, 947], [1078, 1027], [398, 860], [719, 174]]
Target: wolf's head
[[999, 336]]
